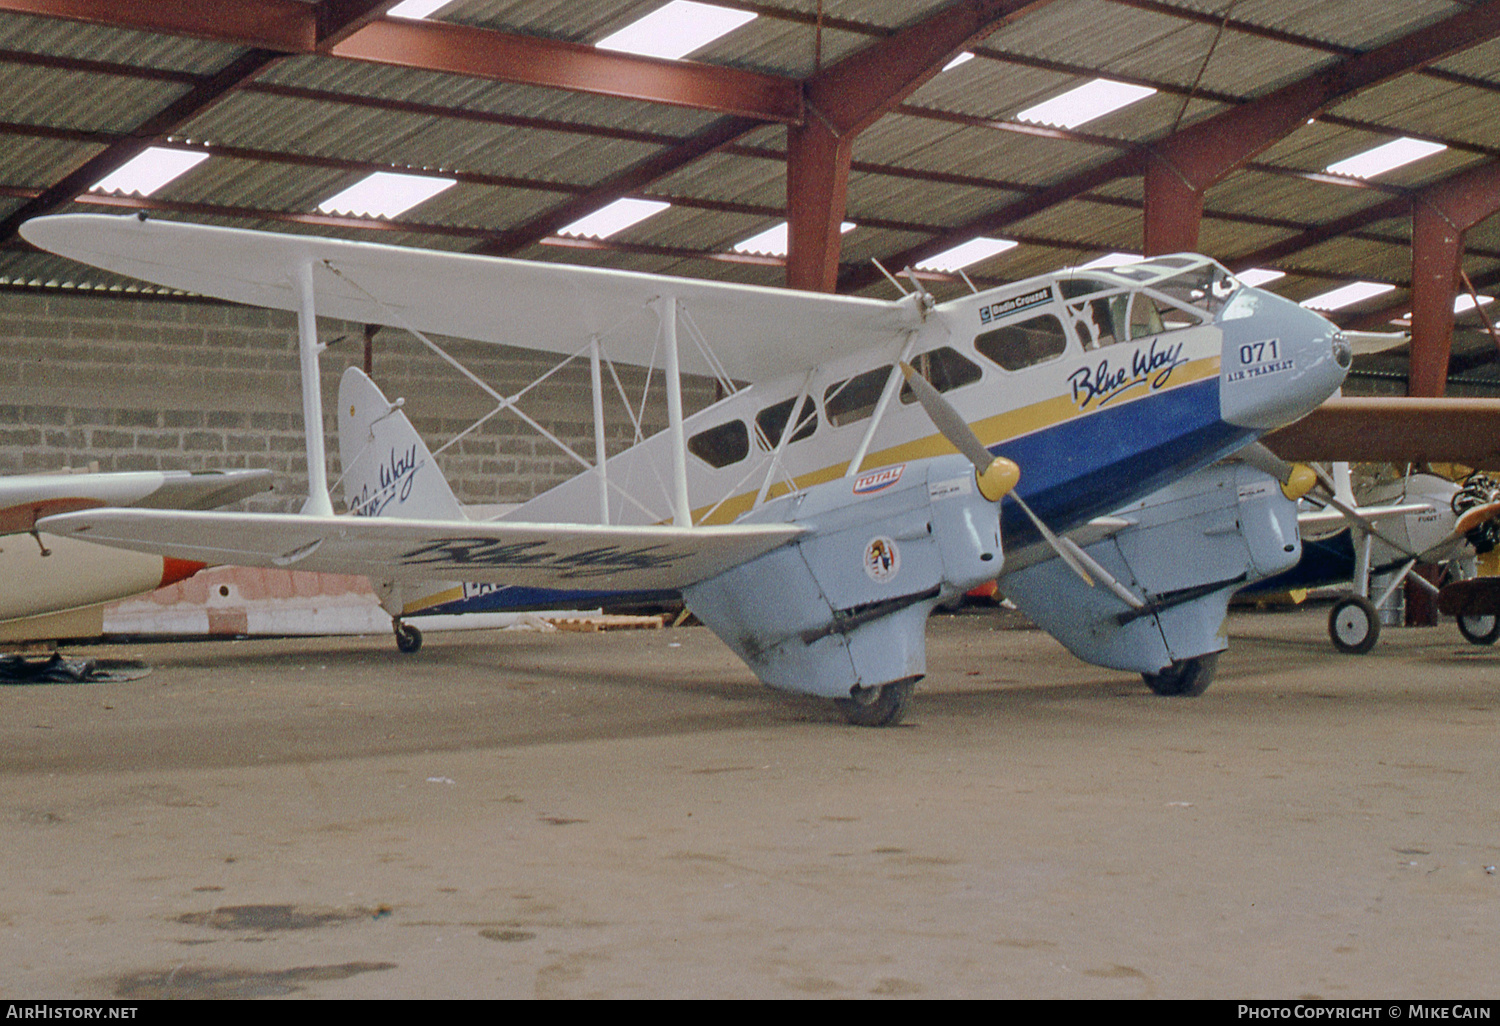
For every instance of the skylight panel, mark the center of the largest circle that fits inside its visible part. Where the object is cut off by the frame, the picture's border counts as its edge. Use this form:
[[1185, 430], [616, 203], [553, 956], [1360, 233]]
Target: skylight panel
[[616, 217], [385, 194], [773, 241], [961, 256], [1387, 157], [962, 58], [1464, 303], [417, 9], [1347, 295], [676, 30], [1258, 276], [149, 171], [1085, 103]]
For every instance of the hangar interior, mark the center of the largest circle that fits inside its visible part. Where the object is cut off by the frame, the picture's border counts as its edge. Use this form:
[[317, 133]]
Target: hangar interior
[[804, 142]]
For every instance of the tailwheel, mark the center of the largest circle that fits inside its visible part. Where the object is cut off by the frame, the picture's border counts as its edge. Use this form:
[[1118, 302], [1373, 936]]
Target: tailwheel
[[1186, 677], [408, 638], [1479, 629], [1354, 625], [883, 706]]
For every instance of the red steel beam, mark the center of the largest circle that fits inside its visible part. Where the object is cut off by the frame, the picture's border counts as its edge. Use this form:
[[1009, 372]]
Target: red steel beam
[[531, 60], [849, 97], [283, 25], [1204, 152], [1440, 218]]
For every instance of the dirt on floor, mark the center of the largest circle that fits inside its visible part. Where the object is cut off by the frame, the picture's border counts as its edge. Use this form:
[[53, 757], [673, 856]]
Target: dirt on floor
[[509, 814]]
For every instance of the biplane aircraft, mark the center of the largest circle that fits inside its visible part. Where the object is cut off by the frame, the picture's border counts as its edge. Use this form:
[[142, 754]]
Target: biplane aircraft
[[43, 575], [1388, 530], [815, 515]]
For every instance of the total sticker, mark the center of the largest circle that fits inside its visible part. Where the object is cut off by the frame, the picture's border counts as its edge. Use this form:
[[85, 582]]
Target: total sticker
[[882, 560]]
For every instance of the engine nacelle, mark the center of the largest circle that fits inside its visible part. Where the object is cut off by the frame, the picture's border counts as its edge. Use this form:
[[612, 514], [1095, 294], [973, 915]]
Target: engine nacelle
[[846, 605], [1187, 550]]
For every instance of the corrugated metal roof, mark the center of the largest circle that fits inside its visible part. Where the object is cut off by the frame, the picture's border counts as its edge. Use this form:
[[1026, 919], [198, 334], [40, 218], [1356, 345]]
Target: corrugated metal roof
[[917, 173]]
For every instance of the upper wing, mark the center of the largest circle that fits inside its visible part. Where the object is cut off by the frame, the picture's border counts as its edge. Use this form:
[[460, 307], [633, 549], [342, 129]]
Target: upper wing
[[1395, 430], [573, 556], [755, 332]]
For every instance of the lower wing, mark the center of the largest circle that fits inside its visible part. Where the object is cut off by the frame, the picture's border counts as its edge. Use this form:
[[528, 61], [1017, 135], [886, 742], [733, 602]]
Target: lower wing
[[534, 555]]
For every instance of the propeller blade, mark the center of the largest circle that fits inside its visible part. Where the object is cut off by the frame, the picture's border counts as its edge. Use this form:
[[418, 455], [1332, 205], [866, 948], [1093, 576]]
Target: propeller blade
[[954, 428], [1354, 516], [948, 420], [1297, 479]]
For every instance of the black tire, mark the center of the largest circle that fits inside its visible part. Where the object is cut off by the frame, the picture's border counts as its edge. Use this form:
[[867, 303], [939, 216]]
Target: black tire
[[1482, 629], [878, 707], [1353, 625], [408, 638], [1186, 678]]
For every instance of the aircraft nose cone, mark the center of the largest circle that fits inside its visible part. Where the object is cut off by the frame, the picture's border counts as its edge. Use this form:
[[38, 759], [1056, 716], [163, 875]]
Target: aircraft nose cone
[[1280, 360]]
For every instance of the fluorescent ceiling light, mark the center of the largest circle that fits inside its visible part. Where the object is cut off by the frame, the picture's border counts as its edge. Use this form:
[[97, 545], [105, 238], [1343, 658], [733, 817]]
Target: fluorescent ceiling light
[[675, 30], [416, 9], [772, 241], [385, 194], [962, 58], [1394, 154], [1257, 276], [149, 171], [1085, 103], [1465, 303], [616, 217], [962, 256], [1347, 295], [1111, 260]]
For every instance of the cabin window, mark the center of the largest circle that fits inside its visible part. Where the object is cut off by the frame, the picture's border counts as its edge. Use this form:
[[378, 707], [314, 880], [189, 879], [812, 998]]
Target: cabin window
[[771, 422], [854, 399], [1208, 287], [1150, 316], [1101, 322], [946, 368], [722, 445], [1072, 288], [1024, 343]]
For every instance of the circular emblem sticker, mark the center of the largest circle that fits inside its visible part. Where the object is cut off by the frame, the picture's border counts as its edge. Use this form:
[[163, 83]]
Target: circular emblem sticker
[[882, 559]]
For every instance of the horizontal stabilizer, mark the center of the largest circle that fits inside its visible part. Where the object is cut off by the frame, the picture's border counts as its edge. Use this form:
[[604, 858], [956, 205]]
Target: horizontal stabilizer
[[531, 555]]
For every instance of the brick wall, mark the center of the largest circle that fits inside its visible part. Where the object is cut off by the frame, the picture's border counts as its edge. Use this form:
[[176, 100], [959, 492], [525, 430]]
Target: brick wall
[[147, 384]]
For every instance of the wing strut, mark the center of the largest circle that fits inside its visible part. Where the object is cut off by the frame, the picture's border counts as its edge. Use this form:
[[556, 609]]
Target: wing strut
[[318, 503], [682, 511], [601, 454]]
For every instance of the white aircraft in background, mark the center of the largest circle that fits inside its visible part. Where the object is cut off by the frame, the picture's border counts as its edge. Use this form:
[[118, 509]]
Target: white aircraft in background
[[1391, 528], [42, 574], [809, 518]]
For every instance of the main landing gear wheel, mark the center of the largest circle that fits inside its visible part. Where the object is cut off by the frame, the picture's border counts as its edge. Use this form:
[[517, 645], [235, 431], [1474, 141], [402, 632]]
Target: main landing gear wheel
[[408, 638], [878, 707], [1479, 629], [1354, 625], [1185, 677]]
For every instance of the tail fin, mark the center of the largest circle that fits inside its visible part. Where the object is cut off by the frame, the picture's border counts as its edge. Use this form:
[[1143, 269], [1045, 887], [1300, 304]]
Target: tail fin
[[388, 470]]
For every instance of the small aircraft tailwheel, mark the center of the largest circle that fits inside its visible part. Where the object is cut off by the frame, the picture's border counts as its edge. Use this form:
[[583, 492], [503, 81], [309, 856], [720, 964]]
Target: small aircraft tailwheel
[[1354, 625], [1479, 629], [878, 707], [1186, 677], [408, 638]]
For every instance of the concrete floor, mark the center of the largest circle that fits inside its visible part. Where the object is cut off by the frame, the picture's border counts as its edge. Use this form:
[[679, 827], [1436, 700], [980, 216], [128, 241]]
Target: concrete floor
[[631, 815]]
